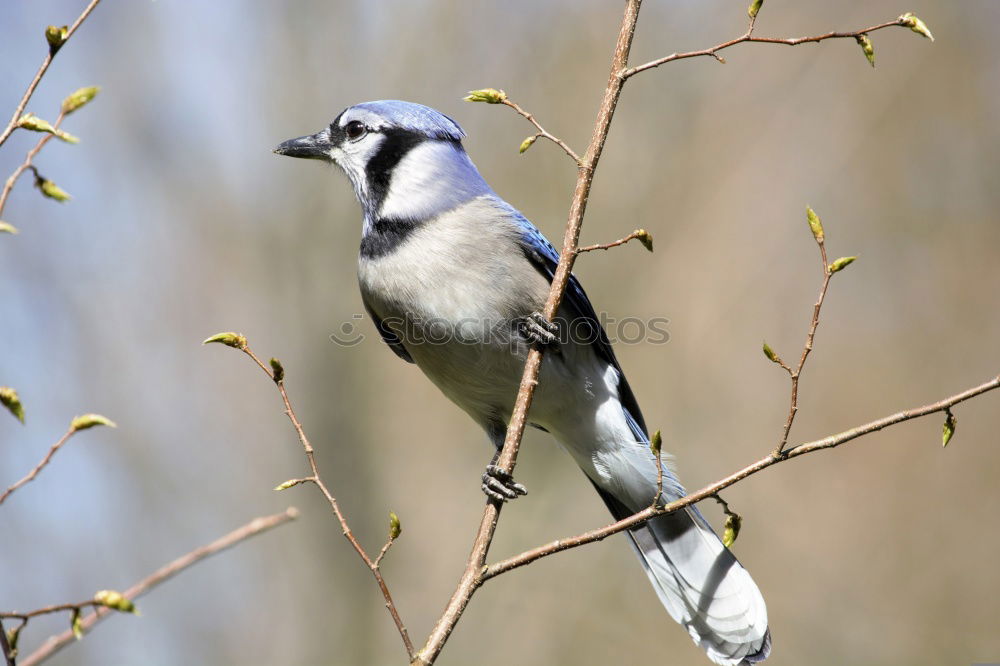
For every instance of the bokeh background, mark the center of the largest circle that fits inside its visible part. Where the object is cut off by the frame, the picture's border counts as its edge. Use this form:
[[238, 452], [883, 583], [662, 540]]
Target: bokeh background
[[184, 224]]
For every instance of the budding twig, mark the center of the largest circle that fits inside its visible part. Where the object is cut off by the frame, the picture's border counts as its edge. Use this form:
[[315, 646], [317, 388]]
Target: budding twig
[[74, 427], [541, 130], [748, 37], [27, 163], [161, 575], [794, 373], [559, 545], [641, 235], [12, 125], [275, 371]]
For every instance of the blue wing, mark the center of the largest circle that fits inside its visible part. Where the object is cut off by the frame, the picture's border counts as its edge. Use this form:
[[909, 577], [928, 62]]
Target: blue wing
[[544, 257]]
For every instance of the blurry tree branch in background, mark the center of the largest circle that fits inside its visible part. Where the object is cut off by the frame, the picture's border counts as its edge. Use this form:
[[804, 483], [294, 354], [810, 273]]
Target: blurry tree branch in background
[[477, 571], [104, 601], [108, 601], [78, 424], [56, 38], [276, 373]]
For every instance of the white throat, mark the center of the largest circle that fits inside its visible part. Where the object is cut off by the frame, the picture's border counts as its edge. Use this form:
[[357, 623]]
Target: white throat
[[433, 177]]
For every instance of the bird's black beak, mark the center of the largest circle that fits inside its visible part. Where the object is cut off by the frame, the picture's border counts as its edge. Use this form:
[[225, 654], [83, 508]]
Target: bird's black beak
[[315, 147]]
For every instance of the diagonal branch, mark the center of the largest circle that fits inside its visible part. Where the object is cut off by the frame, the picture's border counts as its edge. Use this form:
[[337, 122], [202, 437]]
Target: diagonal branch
[[529, 556], [541, 130], [12, 125], [27, 163], [254, 527], [277, 375], [30, 476]]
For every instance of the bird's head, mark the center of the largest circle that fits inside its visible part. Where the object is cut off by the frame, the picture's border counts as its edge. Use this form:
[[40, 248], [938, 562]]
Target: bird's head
[[403, 159]]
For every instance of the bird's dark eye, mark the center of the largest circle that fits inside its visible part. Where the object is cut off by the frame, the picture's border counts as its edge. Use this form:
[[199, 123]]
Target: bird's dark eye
[[354, 129]]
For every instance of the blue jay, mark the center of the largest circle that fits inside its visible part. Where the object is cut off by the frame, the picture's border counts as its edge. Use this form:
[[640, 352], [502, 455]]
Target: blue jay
[[454, 278]]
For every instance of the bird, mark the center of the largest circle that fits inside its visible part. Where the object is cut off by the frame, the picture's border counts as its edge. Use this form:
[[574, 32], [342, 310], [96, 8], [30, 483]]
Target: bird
[[454, 279]]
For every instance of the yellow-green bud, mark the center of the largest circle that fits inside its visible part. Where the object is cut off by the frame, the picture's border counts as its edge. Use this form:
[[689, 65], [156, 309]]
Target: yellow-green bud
[[230, 339], [56, 36], [76, 624], [6, 228], [78, 98], [866, 45], [815, 225], [51, 190], [115, 600], [12, 636], [916, 25], [527, 143], [488, 95], [645, 238], [656, 443], [30, 121], [769, 353], [754, 8], [288, 484], [732, 529], [395, 527], [277, 370], [841, 264], [949, 428], [89, 421], [10, 400]]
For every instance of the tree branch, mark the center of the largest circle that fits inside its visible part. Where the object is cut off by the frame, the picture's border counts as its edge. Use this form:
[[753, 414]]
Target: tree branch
[[30, 476], [541, 130], [748, 37], [277, 374], [529, 556], [810, 336], [641, 235], [27, 163], [254, 527], [12, 125]]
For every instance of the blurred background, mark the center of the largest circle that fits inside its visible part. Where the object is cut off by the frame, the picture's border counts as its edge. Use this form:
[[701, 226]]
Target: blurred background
[[184, 224]]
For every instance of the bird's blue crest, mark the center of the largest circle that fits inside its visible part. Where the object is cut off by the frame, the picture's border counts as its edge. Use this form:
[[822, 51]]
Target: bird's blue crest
[[414, 117]]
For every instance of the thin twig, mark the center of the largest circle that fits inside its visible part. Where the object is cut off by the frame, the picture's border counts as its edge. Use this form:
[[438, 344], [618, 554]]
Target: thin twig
[[254, 527], [541, 130], [381, 553], [794, 374], [41, 465], [48, 610], [373, 565], [12, 125], [748, 37], [27, 163], [832, 441], [638, 233]]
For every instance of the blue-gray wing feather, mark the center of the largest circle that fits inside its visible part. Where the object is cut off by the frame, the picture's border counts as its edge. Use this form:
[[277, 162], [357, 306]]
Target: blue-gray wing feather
[[544, 257]]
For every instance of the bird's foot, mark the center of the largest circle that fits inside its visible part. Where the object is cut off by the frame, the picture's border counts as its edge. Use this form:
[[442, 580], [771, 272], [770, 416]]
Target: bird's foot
[[499, 484], [539, 330]]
